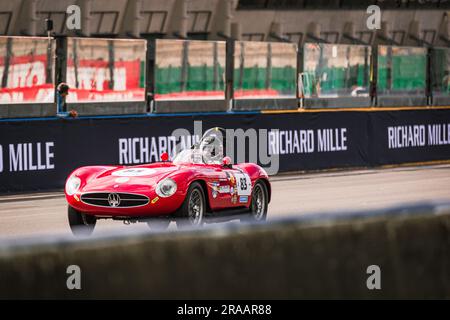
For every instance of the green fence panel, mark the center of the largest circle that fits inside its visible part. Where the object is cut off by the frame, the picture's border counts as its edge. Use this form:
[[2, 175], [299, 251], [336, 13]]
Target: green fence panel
[[283, 79], [199, 78], [168, 80]]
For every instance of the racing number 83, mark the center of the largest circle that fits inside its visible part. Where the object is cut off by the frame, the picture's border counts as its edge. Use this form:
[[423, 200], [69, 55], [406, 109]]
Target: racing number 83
[[243, 183]]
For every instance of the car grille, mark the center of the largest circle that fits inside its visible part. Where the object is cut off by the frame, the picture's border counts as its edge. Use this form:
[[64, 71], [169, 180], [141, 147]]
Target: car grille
[[114, 200]]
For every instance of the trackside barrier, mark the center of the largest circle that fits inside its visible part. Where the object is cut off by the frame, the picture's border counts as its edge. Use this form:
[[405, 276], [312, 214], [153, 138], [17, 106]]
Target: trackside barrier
[[39, 155], [313, 256]]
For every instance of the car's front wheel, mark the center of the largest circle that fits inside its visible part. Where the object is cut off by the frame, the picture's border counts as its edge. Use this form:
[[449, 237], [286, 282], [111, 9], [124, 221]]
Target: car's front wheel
[[192, 211], [81, 224], [259, 203]]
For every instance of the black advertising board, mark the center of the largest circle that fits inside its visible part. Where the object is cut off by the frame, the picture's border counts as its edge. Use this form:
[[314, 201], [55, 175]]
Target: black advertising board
[[40, 154]]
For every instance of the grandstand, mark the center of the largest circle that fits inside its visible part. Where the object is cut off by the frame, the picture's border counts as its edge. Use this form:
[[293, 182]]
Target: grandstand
[[256, 20]]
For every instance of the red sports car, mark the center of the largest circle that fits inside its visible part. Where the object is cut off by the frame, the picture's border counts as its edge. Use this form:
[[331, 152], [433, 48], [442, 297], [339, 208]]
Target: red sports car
[[198, 186]]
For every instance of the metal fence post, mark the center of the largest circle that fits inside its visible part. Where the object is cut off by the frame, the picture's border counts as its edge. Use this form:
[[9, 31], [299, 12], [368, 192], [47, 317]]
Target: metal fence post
[[60, 61], [300, 66], [374, 76], [150, 75], [185, 67], [215, 68], [7, 62], [429, 78], [229, 73], [111, 61], [268, 80]]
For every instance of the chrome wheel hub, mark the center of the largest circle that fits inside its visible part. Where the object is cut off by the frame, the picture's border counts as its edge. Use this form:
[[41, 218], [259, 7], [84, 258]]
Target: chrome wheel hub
[[195, 207], [258, 207]]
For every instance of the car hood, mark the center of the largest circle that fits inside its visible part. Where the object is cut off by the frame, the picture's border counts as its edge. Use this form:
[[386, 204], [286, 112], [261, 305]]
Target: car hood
[[129, 179]]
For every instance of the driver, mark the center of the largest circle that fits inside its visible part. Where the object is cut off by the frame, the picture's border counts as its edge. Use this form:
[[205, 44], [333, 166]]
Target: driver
[[212, 145]]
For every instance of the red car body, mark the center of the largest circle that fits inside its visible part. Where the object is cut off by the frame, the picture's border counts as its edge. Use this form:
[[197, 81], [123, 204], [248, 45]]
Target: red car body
[[103, 189]]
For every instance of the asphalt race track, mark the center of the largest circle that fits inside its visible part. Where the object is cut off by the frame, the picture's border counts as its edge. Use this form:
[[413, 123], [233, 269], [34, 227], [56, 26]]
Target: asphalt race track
[[45, 214]]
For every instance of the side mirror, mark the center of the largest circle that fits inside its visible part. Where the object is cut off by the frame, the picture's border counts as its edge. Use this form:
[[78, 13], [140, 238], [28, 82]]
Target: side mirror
[[164, 157], [226, 162]]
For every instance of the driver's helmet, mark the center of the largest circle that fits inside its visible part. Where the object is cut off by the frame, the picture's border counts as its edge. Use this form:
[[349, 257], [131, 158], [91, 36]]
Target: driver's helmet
[[212, 145]]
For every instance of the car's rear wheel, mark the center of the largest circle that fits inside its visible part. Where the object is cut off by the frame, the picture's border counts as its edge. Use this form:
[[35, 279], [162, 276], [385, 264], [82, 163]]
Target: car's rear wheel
[[81, 224], [158, 224], [192, 211], [259, 203]]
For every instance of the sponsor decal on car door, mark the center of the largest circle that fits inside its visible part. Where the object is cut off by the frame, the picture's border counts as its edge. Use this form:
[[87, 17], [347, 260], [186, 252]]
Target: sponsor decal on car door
[[240, 187]]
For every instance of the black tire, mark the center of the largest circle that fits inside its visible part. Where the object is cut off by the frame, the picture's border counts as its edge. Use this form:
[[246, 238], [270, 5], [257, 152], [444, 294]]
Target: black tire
[[259, 203], [192, 211], [158, 224], [81, 224]]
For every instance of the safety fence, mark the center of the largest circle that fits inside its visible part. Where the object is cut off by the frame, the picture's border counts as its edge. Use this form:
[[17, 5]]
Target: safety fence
[[122, 76], [27, 69], [101, 70]]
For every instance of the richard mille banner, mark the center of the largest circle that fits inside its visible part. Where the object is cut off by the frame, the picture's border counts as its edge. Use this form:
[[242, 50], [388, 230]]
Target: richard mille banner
[[39, 155]]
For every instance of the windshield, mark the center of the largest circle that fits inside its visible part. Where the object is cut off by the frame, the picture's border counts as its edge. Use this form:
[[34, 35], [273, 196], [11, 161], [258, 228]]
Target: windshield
[[188, 156], [210, 149]]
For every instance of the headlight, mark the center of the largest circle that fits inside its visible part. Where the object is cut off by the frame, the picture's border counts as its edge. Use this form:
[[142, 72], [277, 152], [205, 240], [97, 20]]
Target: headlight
[[72, 185], [165, 188]]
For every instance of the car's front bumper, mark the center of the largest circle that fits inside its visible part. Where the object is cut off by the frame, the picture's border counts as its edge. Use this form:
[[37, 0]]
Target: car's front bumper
[[155, 206]]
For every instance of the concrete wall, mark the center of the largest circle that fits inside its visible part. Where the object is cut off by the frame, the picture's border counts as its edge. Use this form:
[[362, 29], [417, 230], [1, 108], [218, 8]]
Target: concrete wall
[[314, 256]]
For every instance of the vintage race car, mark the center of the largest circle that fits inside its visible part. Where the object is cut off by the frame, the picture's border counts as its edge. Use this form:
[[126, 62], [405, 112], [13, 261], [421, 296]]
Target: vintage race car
[[200, 185]]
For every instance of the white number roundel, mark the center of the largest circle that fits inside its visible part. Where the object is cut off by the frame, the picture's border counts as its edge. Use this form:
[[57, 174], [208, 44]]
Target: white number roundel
[[133, 172], [243, 184]]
